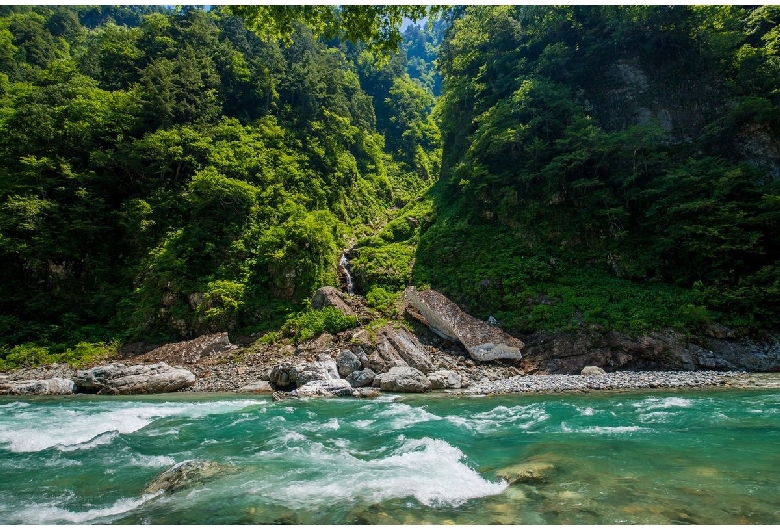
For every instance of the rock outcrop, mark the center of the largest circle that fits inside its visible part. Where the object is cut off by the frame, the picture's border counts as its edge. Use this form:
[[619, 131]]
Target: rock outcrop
[[283, 375], [483, 341], [192, 350], [116, 378], [323, 369], [185, 475], [403, 379], [331, 297], [40, 387]]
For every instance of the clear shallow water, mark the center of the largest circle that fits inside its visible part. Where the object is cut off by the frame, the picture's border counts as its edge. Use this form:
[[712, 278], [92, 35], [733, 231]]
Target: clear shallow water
[[684, 457]]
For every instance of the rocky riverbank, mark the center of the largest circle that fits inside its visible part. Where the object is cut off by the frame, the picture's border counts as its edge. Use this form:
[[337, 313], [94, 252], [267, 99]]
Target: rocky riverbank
[[437, 348]]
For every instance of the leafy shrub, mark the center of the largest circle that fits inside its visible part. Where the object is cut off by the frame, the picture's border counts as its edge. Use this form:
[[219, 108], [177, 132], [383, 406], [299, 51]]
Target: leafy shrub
[[314, 322], [26, 356], [382, 300]]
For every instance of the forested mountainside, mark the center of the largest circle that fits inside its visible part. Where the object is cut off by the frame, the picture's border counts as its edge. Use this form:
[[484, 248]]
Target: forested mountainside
[[615, 167], [166, 172]]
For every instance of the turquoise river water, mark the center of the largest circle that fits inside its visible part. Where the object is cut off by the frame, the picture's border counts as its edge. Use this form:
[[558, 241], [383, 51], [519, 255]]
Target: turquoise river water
[[704, 457]]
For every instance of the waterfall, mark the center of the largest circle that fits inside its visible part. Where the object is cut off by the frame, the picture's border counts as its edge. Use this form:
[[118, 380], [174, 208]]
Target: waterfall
[[343, 264]]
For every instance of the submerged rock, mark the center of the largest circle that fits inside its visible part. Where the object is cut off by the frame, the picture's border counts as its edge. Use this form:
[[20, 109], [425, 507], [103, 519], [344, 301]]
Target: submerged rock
[[116, 378], [526, 472], [483, 341], [40, 387], [185, 475]]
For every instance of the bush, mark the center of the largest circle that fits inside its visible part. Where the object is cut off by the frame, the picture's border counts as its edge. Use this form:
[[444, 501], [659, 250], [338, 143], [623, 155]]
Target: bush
[[382, 300], [313, 322]]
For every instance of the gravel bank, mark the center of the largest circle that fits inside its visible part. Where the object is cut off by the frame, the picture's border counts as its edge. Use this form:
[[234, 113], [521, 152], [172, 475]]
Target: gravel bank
[[608, 381]]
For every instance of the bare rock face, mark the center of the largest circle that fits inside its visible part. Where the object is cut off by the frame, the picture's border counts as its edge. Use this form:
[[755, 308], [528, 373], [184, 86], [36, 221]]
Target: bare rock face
[[331, 297], [483, 341], [192, 350], [284, 374], [185, 474], [40, 387], [116, 378], [403, 379]]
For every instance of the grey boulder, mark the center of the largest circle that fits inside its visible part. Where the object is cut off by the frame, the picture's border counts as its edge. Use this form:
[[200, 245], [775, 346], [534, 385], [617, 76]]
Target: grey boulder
[[403, 379], [361, 378], [116, 378], [347, 363], [592, 370], [325, 388], [442, 379]]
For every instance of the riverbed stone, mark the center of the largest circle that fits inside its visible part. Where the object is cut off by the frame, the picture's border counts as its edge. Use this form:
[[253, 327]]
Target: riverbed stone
[[192, 350], [185, 475], [283, 375], [483, 341], [116, 378], [526, 472], [323, 369]]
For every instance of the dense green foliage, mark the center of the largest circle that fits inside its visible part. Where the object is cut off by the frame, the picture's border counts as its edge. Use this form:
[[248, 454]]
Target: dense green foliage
[[614, 166], [167, 173]]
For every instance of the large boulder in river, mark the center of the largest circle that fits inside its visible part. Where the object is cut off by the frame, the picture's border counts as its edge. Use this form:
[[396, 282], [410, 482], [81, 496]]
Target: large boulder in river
[[532, 471], [403, 379], [185, 475], [55, 386], [116, 378], [331, 297], [323, 369], [483, 341], [284, 374]]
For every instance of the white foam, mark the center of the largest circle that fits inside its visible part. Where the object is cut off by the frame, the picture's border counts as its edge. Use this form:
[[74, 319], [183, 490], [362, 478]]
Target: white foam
[[362, 424], [401, 415], [80, 427], [154, 461], [663, 403], [428, 470], [52, 514], [523, 417], [612, 430], [14, 405]]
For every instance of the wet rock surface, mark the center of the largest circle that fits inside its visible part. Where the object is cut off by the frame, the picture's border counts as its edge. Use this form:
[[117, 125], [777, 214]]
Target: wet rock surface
[[186, 475]]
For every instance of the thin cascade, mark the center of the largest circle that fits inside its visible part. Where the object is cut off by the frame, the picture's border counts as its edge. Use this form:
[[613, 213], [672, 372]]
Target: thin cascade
[[344, 267]]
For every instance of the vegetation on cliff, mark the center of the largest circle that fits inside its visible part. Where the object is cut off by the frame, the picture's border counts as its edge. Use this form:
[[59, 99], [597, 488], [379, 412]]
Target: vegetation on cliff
[[168, 172]]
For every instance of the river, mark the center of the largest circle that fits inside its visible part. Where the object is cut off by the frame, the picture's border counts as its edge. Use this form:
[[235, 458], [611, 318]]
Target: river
[[704, 457]]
